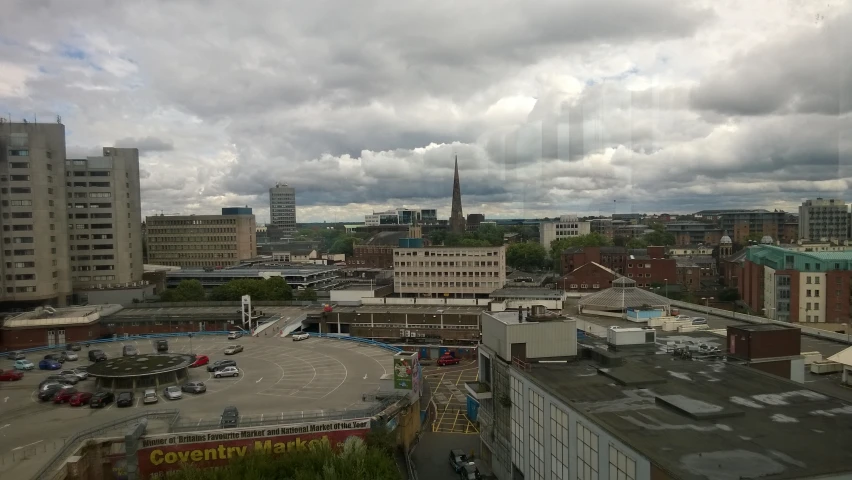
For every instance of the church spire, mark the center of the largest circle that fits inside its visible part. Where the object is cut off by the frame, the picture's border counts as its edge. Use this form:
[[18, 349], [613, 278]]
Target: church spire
[[457, 221]]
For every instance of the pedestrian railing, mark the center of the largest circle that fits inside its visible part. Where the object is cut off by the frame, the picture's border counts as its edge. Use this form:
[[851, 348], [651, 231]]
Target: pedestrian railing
[[364, 341], [73, 442], [270, 419], [120, 338]]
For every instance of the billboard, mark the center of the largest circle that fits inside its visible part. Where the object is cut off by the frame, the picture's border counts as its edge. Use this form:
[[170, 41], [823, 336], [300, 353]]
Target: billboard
[[403, 373], [161, 453]]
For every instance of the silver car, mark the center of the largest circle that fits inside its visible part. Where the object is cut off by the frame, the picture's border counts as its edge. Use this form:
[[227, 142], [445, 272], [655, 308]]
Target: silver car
[[150, 396], [81, 375], [71, 356], [172, 393]]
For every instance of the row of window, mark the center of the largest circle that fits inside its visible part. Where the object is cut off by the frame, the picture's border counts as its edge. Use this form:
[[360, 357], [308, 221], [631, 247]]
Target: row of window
[[86, 258], [447, 274], [21, 276], [407, 252], [95, 236], [91, 205], [96, 278], [193, 247], [89, 195], [98, 246], [185, 231], [447, 284], [192, 239], [89, 268], [160, 255], [72, 216], [157, 222], [89, 184], [483, 263]]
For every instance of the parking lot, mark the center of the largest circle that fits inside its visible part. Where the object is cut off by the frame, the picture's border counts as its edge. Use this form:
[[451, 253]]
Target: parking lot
[[278, 377], [448, 394]]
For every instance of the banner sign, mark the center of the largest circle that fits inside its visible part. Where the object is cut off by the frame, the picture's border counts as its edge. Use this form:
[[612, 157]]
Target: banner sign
[[161, 453], [402, 373]]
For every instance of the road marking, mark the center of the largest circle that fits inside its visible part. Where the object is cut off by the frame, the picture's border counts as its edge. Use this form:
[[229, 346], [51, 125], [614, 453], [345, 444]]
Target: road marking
[[199, 421], [4, 426], [365, 377], [7, 398], [259, 379], [27, 445]]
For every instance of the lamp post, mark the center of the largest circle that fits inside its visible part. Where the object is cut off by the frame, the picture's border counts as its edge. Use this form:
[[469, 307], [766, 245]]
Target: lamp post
[[667, 286], [190, 342]]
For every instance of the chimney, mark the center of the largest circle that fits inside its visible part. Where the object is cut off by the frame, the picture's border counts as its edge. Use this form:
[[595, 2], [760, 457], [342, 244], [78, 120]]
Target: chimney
[[520, 315]]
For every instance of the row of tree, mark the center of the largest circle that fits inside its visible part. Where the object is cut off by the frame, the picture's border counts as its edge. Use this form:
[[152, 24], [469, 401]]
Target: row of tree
[[274, 288]]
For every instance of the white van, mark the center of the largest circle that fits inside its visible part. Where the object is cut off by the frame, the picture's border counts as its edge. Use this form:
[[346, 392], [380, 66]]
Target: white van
[[150, 396]]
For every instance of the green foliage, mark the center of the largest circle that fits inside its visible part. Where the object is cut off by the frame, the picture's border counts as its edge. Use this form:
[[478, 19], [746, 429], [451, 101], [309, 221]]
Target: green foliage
[[274, 288], [485, 236], [186, 291], [343, 244], [526, 256], [308, 295], [636, 243], [356, 460], [590, 240], [729, 295], [659, 236]]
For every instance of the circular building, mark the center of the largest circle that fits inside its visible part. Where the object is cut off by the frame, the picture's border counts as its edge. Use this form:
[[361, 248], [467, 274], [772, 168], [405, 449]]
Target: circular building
[[142, 371]]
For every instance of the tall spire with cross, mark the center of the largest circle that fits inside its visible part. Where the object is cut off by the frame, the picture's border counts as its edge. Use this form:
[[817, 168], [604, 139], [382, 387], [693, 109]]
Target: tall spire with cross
[[457, 221]]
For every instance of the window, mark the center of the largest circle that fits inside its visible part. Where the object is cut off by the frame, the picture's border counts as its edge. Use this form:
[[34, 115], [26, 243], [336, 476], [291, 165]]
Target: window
[[25, 289], [559, 444], [621, 467], [24, 264], [19, 178], [21, 203], [536, 434], [587, 453], [19, 153], [517, 423], [22, 215], [816, 280], [19, 165], [20, 190]]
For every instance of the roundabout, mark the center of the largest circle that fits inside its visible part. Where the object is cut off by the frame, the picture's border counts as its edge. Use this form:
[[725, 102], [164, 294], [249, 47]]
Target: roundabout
[[142, 371]]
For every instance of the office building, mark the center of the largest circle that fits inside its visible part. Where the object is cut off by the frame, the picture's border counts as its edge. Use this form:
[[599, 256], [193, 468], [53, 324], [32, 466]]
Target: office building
[[695, 233], [551, 409], [401, 216], [824, 219], [104, 213], [567, 226], [202, 241], [282, 209], [456, 272], [793, 285], [35, 265], [745, 225]]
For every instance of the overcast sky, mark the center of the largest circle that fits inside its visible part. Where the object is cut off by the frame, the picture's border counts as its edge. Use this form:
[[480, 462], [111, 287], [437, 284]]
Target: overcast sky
[[552, 106]]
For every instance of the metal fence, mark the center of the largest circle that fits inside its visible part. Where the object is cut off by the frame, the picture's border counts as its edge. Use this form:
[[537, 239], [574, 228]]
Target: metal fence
[[364, 341], [73, 442], [121, 339]]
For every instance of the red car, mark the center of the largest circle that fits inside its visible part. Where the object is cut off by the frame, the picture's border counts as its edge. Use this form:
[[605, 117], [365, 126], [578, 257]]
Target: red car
[[200, 360], [79, 398], [448, 360], [11, 376], [64, 395]]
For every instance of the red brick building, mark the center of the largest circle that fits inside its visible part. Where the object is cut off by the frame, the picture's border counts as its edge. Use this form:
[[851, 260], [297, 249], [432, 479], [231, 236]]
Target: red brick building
[[589, 277], [372, 256], [644, 265]]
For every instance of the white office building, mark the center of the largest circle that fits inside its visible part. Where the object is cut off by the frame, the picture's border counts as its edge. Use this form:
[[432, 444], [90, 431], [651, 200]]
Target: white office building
[[566, 227]]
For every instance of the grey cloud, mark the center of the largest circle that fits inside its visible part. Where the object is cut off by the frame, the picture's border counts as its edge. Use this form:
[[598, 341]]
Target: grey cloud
[[146, 144]]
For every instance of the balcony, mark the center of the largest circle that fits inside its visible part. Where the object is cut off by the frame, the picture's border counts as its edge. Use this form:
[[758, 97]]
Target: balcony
[[478, 390]]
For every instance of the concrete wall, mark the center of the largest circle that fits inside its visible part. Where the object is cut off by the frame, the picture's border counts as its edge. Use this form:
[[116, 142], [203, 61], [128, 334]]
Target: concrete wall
[[120, 296], [543, 339], [480, 302]]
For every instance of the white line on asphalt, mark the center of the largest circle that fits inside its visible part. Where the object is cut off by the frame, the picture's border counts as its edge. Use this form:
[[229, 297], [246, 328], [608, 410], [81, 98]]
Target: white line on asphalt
[[27, 445], [5, 399], [199, 421], [4, 426], [259, 379], [365, 376], [261, 417]]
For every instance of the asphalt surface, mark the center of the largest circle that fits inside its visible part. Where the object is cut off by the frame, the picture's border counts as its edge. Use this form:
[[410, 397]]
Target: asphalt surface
[[277, 377], [431, 456], [446, 385]]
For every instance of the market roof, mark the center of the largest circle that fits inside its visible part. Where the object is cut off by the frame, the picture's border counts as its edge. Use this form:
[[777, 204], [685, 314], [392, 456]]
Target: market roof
[[623, 294]]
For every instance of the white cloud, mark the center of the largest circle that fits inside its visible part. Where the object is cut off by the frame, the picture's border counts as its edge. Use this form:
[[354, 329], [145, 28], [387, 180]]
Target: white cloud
[[552, 107]]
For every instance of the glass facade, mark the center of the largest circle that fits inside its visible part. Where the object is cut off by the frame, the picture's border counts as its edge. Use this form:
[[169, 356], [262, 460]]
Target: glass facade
[[517, 423], [558, 444], [587, 453], [621, 467], [536, 429]]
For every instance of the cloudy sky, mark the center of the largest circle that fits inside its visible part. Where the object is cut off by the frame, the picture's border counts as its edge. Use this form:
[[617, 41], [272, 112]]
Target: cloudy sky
[[552, 106]]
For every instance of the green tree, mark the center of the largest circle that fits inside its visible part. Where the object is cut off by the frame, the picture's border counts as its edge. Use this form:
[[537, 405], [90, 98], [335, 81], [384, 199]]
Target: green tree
[[729, 295], [590, 240], [659, 236], [186, 291], [343, 244], [308, 295], [526, 256], [275, 288], [636, 243]]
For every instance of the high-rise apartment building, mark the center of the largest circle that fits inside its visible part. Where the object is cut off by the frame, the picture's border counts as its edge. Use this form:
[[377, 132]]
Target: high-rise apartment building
[[35, 266], [282, 208], [104, 212], [202, 241], [824, 219]]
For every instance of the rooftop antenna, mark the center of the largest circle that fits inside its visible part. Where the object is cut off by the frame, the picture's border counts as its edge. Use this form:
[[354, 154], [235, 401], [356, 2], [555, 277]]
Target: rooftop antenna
[[59, 119]]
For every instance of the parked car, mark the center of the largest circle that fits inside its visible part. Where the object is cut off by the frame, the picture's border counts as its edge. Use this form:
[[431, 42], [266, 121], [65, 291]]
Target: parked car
[[233, 349], [45, 384], [11, 375], [300, 336], [200, 360], [56, 357], [220, 364], [48, 364], [150, 396], [448, 360], [24, 365], [234, 335], [101, 399], [49, 392], [74, 347], [172, 393], [457, 459], [68, 379], [97, 355], [64, 395], [230, 418], [80, 375], [129, 351], [16, 356], [469, 472], [79, 399], [162, 345], [125, 399], [699, 321], [70, 356], [227, 372], [194, 387]]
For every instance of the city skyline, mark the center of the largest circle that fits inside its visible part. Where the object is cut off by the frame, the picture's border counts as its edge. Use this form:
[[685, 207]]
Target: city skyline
[[661, 107]]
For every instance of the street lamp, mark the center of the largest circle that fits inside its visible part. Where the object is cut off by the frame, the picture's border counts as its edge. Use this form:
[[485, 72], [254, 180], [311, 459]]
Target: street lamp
[[190, 342]]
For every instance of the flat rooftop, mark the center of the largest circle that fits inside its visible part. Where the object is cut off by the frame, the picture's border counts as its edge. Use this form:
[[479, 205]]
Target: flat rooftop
[[510, 317], [763, 327], [242, 272], [708, 419], [358, 286], [424, 309], [541, 293]]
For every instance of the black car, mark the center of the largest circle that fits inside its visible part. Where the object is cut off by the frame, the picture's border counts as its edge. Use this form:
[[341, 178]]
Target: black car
[[230, 418], [74, 347], [125, 399], [49, 392], [97, 356], [162, 345], [219, 364], [469, 472], [57, 357], [458, 459], [194, 387], [101, 399]]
